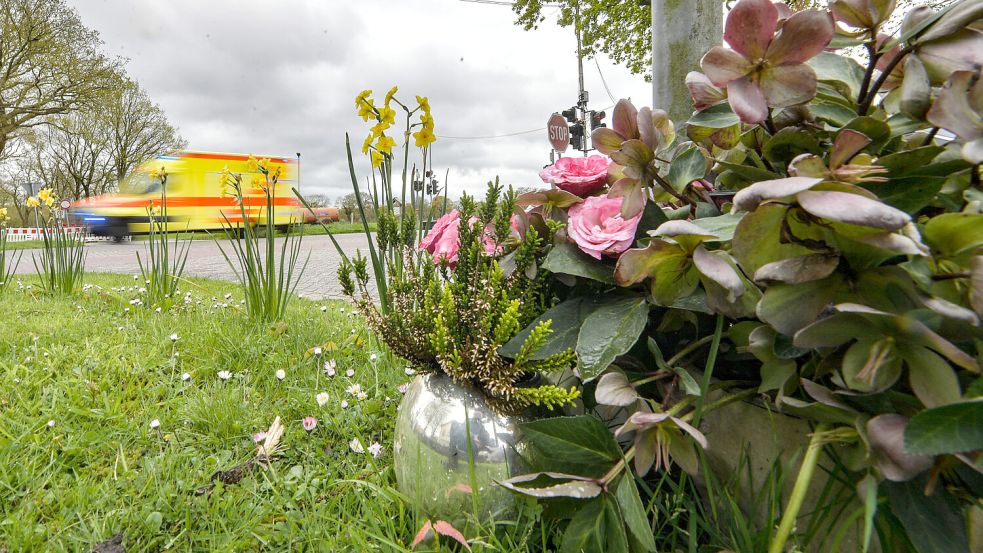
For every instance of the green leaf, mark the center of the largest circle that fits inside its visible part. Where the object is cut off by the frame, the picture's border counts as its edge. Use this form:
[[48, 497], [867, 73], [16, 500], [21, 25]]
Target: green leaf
[[788, 143], [909, 194], [633, 512], [931, 377], [548, 485], [721, 226], [954, 233], [876, 130], [576, 445], [566, 258], [952, 428], [934, 523], [566, 318], [903, 163], [719, 116], [615, 538], [687, 167], [586, 531], [791, 307], [841, 71], [608, 332]]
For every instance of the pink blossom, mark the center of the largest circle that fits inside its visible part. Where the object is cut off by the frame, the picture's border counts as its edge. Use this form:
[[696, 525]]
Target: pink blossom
[[578, 175], [596, 226], [259, 436], [309, 423], [442, 240]]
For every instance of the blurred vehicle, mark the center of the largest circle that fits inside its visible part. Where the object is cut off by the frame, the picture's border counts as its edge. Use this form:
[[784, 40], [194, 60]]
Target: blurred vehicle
[[322, 215], [196, 199]]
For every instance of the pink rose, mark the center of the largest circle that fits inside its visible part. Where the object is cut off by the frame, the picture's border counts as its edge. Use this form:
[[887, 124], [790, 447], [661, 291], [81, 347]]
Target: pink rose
[[488, 237], [442, 240], [578, 175], [596, 226]]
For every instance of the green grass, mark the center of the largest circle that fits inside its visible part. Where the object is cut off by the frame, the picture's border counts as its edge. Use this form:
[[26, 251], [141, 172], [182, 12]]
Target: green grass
[[103, 369]]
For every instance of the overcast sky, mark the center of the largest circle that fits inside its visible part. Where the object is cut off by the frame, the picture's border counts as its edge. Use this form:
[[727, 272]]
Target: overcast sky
[[257, 76]]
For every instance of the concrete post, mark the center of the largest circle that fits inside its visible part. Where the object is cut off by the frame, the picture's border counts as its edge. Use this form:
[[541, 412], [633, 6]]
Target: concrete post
[[682, 31]]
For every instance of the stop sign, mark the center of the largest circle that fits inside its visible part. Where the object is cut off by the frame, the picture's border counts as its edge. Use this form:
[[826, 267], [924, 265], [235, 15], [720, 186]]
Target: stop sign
[[558, 132]]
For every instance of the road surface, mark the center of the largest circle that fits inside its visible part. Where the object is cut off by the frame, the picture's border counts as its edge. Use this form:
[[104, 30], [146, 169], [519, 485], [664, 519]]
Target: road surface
[[320, 280]]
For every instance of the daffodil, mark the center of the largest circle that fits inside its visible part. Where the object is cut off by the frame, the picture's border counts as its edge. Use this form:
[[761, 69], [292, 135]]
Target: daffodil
[[33, 202], [3, 215], [377, 158], [424, 137], [264, 165], [380, 128], [225, 177], [385, 144], [367, 143], [252, 164], [45, 195], [427, 121], [363, 96], [424, 103], [387, 115], [366, 109], [390, 94]]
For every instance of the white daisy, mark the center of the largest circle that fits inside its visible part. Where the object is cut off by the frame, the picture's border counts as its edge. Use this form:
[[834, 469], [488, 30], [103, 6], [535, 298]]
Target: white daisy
[[281, 374], [322, 399], [186, 377], [409, 371], [356, 446], [51, 423], [373, 358], [350, 373], [155, 424], [375, 449], [174, 337], [344, 404], [329, 367], [324, 308], [317, 351], [224, 375]]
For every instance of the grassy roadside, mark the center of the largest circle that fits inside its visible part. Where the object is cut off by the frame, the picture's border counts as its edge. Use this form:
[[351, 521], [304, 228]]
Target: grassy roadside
[[309, 230], [101, 369]]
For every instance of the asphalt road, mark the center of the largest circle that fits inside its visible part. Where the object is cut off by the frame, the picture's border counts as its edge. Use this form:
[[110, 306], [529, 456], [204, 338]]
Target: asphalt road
[[205, 260]]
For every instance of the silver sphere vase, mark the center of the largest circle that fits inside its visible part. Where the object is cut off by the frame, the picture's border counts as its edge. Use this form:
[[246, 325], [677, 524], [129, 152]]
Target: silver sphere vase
[[450, 444]]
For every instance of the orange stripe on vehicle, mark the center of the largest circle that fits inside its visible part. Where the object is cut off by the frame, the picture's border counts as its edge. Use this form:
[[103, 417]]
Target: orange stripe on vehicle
[[237, 157]]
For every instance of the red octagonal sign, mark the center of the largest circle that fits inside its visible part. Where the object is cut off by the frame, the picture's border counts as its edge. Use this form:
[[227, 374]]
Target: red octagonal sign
[[558, 132]]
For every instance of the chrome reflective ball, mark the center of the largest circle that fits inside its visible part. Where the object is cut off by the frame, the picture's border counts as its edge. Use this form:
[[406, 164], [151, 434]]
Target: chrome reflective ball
[[443, 429]]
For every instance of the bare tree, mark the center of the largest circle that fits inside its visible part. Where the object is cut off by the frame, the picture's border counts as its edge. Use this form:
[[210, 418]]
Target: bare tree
[[137, 130]]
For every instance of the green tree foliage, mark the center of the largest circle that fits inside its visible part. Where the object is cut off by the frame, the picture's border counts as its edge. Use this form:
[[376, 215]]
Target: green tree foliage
[[50, 64]]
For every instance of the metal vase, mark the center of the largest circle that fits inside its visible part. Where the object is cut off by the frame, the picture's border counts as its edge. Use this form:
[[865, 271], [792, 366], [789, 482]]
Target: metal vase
[[448, 442]]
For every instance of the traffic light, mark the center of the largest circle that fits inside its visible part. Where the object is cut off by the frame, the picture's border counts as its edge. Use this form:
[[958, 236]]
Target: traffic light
[[570, 114], [596, 118], [577, 136]]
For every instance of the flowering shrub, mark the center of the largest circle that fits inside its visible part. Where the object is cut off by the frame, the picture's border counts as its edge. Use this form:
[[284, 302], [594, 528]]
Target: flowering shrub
[[814, 217], [578, 175]]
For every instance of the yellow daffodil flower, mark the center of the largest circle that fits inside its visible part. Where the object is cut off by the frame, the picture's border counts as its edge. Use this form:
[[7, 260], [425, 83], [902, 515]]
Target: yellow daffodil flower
[[252, 164], [3, 215], [385, 144], [387, 115], [424, 137], [367, 143], [362, 96], [45, 195], [379, 128], [390, 94], [33, 202], [377, 158], [264, 165], [366, 109], [427, 121], [225, 177], [424, 103]]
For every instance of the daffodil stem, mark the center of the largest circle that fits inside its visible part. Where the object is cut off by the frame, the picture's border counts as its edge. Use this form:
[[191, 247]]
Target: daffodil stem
[[708, 370], [802, 481]]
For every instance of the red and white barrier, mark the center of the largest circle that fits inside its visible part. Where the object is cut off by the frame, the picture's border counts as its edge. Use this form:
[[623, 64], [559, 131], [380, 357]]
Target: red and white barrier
[[26, 234]]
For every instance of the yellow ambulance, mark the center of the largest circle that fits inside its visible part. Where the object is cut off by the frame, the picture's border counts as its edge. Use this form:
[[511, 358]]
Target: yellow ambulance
[[195, 199]]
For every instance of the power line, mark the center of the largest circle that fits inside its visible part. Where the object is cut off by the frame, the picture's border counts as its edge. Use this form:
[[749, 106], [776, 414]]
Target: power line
[[492, 2], [603, 81]]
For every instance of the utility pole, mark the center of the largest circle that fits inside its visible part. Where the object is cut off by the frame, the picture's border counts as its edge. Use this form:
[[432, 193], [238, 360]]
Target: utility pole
[[682, 31], [582, 96]]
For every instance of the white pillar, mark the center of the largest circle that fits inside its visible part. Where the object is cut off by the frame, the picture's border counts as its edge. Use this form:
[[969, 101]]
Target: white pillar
[[682, 31]]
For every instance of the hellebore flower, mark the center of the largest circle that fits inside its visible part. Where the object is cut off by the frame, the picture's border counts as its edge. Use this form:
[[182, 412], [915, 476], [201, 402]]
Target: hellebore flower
[[764, 69], [959, 108], [578, 175], [862, 14], [597, 227], [655, 434]]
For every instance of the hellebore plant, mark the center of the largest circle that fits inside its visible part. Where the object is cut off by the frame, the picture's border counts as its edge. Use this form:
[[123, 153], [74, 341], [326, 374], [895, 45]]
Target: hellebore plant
[[825, 219]]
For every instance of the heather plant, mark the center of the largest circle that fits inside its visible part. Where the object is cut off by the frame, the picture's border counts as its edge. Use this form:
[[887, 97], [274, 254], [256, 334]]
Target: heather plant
[[812, 241], [467, 289], [7, 264], [268, 278], [165, 258], [60, 263]]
